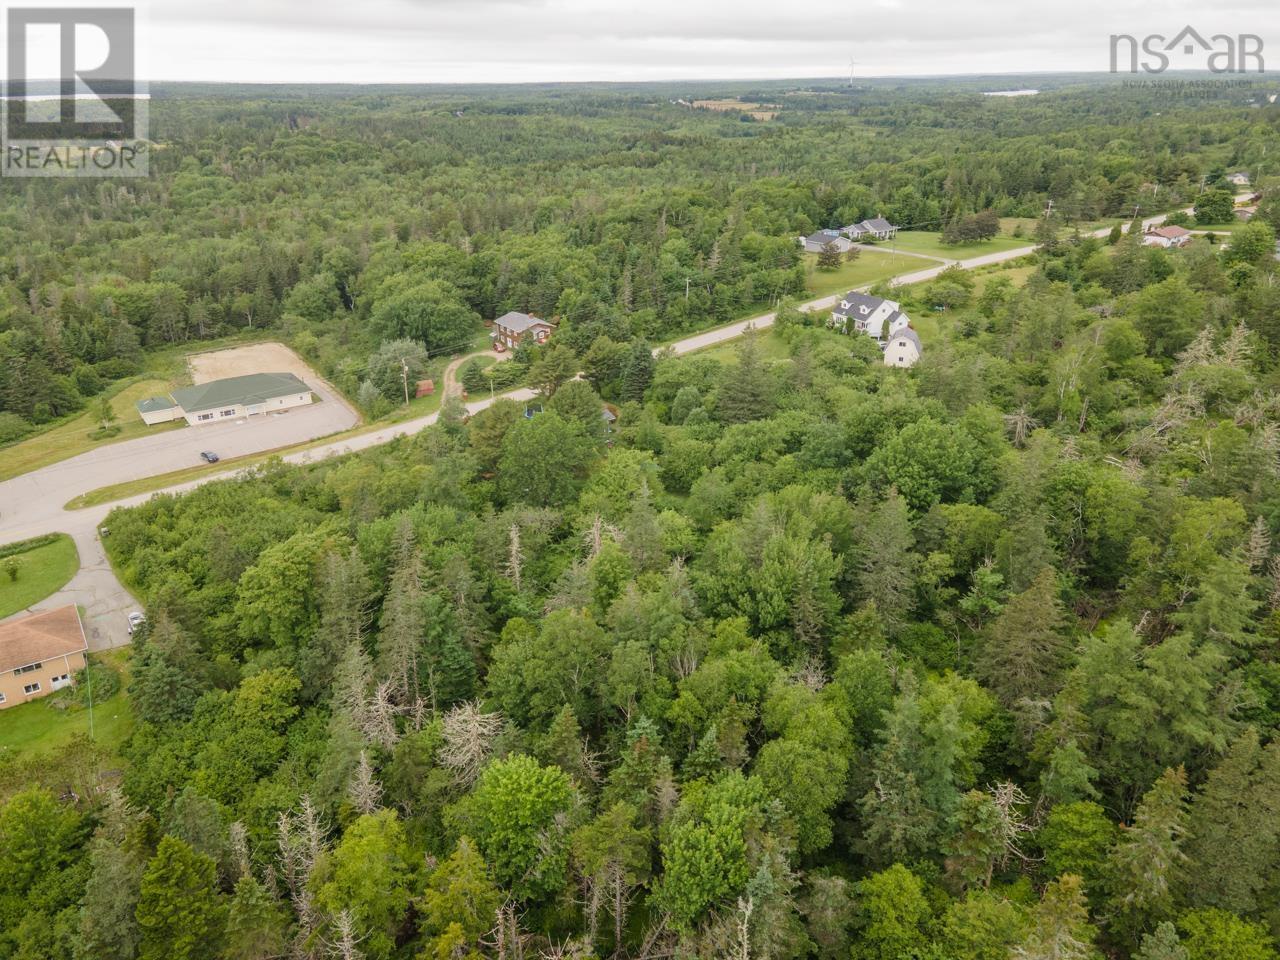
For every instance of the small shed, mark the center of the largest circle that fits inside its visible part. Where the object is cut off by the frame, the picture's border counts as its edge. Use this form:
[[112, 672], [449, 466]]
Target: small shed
[[425, 388]]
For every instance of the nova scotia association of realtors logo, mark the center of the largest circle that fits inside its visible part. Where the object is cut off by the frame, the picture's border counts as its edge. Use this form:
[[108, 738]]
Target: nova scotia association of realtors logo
[[72, 104], [1187, 50]]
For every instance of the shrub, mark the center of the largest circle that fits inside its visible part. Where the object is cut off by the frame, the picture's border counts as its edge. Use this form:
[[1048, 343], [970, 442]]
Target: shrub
[[12, 427]]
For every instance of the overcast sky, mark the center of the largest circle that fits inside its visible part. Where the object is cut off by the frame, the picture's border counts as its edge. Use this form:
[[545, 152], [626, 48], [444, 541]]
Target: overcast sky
[[550, 40]]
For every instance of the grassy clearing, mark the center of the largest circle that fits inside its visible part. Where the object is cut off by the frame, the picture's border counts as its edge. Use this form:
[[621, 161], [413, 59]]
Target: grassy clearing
[[39, 727], [869, 267], [930, 244], [71, 437], [769, 345], [42, 571]]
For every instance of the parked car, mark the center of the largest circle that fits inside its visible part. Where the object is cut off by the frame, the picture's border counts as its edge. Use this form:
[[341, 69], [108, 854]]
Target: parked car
[[208, 456], [136, 620]]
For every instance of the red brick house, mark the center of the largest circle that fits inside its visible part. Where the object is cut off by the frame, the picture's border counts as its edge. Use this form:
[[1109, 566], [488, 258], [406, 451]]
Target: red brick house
[[512, 329]]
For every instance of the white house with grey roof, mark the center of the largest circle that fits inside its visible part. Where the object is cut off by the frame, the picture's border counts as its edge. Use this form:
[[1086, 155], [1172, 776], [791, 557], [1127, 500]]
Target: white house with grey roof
[[819, 241], [882, 320], [877, 228]]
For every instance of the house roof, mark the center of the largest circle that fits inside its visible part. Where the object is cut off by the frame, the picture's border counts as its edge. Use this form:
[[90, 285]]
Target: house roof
[[154, 404], [518, 322], [1171, 233], [251, 388], [906, 333], [41, 636], [878, 223], [823, 236], [857, 301]]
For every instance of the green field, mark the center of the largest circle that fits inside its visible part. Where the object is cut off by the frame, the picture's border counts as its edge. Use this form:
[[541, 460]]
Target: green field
[[871, 266], [41, 572], [40, 726], [72, 437], [930, 244]]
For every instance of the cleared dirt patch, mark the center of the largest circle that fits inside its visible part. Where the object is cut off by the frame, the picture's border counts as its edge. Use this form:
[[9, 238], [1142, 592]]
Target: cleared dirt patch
[[255, 358], [757, 111]]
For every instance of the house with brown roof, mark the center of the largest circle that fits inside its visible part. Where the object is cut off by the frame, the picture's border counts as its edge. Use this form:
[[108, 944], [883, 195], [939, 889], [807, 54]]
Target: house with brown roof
[[1170, 236], [40, 654]]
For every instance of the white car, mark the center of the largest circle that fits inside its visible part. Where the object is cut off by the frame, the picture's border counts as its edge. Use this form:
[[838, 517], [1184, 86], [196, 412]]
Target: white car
[[136, 620]]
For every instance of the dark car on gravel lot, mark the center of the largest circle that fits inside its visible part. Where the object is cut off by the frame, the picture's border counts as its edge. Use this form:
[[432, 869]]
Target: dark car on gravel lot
[[209, 457]]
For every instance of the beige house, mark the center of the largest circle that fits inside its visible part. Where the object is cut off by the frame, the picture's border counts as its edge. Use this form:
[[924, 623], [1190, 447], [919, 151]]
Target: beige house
[[1171, 236], [40, 654], [246, 396], [903, 349]]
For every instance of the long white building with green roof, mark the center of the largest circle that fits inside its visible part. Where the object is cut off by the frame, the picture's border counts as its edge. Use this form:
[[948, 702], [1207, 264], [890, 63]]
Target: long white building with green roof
[[247, 396]]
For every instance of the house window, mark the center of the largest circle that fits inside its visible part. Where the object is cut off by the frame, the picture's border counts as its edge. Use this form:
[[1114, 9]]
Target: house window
[[3, 698], [228, 413], [204, 416], [62, 681], [31, 688], [27, 669]]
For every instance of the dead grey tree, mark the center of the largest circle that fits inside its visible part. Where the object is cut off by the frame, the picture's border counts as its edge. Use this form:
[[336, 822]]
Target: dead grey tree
[[515, 556], [364, 791], [1010, 801], [469, 734], [345, 945], [240, 848], [377, 720], [595, 536], [1259, 546]]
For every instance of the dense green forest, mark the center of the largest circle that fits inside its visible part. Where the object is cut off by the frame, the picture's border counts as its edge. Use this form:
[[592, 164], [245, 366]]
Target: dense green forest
[[810, 658], [349, 219]]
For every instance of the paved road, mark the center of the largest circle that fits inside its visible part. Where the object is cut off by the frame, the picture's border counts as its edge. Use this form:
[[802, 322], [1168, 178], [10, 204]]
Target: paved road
[[33, 504]]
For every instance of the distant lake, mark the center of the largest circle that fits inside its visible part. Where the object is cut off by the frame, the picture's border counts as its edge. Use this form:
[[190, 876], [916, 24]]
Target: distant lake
[[1010, 93]]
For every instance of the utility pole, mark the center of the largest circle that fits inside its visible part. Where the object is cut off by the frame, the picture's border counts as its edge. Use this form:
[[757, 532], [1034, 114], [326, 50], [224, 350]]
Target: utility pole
[[1048, 211], [687, 281], [404, 376]]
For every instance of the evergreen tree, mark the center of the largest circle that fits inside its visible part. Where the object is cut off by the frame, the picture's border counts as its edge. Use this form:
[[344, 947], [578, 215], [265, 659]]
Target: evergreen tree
[[1162, 944], [459, 904], [1235, 828], [1060, 928], [1147, 867], [179, 912], [256, 926], [746, 391], [1023, 652], [637, 371]]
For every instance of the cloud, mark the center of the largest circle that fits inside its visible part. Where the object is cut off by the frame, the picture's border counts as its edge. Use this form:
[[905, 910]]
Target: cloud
[[542, 40]]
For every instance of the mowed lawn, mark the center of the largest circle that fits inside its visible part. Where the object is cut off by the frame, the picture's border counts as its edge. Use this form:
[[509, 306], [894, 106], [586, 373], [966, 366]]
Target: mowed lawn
[[72, 438], [870, 266], [38, 727], [930, 244], [41, 571]]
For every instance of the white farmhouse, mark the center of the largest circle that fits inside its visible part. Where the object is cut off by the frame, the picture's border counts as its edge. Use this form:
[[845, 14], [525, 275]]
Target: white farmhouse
[[883, 321]]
